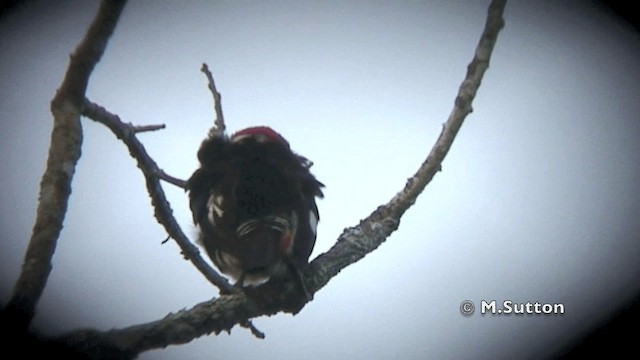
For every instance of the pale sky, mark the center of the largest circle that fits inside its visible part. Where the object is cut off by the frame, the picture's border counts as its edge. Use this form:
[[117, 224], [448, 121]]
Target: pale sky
[[537, 200]]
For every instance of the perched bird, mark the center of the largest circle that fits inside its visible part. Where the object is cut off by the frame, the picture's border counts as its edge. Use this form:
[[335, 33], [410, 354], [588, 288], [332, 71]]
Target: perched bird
[[253, 200]]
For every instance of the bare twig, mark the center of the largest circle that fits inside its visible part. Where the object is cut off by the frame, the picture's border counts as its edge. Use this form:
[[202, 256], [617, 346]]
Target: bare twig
[[223, 313], [151, 171], [170, 179], [254, 331], [219, 126], [64, 153], [144, 128]]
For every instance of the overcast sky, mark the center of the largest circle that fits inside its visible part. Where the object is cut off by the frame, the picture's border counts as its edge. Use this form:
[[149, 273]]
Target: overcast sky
[[537, 200]]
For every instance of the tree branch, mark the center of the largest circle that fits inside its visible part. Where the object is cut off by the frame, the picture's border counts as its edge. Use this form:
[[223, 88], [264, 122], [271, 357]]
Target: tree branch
[[354, 243], [144, 128], [64, 153], [163, 213], [152, 173], [218, 125]]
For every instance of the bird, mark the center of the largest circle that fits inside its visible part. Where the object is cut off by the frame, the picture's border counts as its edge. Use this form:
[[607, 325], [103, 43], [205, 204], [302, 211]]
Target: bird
[[253, 202]]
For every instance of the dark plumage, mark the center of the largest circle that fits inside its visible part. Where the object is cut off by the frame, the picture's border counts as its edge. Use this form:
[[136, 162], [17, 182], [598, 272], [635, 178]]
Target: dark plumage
[[253, 200]]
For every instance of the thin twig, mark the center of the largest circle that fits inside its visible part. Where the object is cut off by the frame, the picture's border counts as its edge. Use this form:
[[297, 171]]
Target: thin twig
[[144, 128], [150, 169], [64, 153], [254, 331], [219, 126], [170, 179]]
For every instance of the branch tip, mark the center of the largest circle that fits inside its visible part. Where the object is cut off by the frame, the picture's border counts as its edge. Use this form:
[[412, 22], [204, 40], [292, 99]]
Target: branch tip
[[254, 331], [144, 128], [219, 126]]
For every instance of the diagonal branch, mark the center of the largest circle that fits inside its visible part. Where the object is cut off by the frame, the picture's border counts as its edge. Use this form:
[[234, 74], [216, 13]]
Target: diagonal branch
[[64, 153], [223, 313], [163, 213], [356, 242], [152, 173]]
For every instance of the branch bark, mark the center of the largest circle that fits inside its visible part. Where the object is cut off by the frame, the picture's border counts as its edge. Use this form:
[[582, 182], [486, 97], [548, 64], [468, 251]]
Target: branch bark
[[219, 126], [64, 153], [162, 209], [356, 242], [223, 313], [152, 173]]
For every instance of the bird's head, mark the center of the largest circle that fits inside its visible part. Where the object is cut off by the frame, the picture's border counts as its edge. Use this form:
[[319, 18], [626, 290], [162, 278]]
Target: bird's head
[[261, 134]]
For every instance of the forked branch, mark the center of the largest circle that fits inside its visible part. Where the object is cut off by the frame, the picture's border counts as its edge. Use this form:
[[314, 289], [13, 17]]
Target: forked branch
[[223, 313], [152, 174]]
